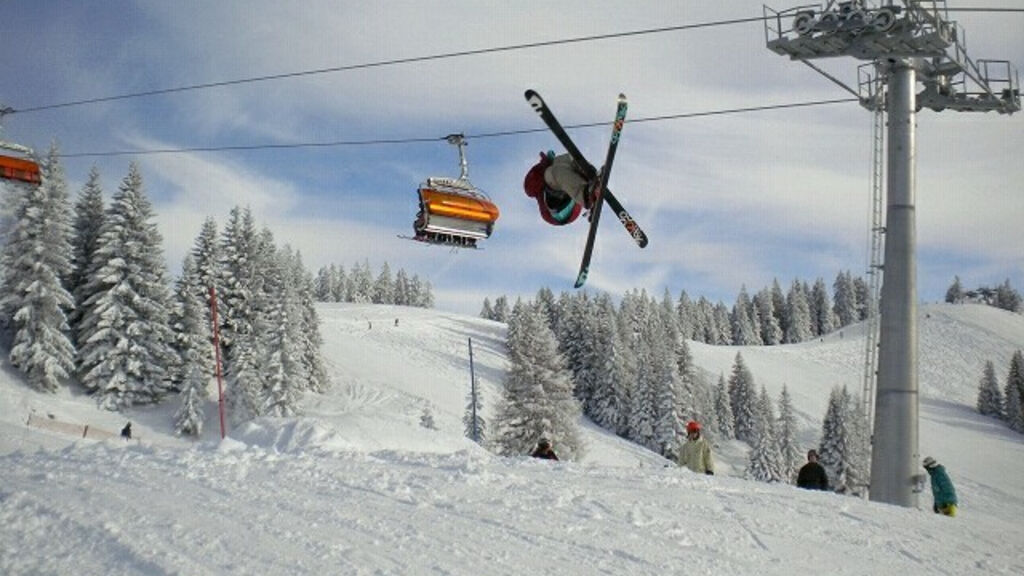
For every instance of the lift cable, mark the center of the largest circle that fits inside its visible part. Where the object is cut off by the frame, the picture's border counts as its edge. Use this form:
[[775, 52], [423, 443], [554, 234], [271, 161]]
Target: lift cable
[[391, 62], [420, 140]]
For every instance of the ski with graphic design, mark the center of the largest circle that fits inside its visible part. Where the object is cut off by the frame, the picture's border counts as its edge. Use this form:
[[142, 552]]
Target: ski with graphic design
[[586, 167], [602, 187]]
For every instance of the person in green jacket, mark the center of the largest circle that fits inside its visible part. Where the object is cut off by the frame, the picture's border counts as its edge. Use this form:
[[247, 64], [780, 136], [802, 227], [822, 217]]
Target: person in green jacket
[[942, 488], [696, 453]]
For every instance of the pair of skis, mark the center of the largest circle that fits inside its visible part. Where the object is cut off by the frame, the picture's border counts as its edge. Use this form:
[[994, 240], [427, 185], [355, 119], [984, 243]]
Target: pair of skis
[[603, 193]]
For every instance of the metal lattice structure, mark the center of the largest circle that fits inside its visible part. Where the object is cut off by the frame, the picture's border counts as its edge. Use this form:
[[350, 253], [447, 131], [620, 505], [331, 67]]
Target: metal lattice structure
[[908, 43]]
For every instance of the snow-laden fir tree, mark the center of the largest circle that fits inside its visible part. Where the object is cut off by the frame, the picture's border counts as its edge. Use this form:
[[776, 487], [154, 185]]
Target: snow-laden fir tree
[[990, 399], [834, 450], [384, 287], [723, 409], [486, 311], [126, 353], [1014, 393], [88, 219], [661, 334], [634, 316], [685, 311], [340, 286], [703, 321], [35, 258], [310, 339], [570, 334], [284, 376], [743, 333], [858, 457], [743, 401], [955, 293], [798, 315], [845, 305], [239, 305], [766, 462], [322, 289], [780, 308], [823, 320], [501, 310], [206, 254], [537, 399], [610, 402], [786, 428], [402, 296], [867, 304], [764, 306], [1007, 298], [724, 323], [473, 422], [194, 350]]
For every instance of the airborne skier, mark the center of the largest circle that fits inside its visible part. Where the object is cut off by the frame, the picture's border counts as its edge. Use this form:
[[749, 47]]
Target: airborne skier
[[562, 191]]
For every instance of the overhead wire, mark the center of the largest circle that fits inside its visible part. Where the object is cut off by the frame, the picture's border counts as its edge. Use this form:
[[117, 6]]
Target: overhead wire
[[427, 139]]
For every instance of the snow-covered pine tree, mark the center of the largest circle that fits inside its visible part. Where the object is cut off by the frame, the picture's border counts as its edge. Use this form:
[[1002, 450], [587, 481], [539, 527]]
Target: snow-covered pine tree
[[743, 401], [501, 309], [610, 402], [402, 288], [195, 354], [322, 289], [1007, 298], [845, 299], [473, 422], [88, 219], [990, 399], [242, 284], [341, 289], [798, 315], [692, 398], [661, 336], [384, 287], [955, 293], [724, 324], [858, 457], [866, 305], [786, 428], [723, 409], [766, 462], [686, 311], [824, 319], [310, 339], [832, 452], [764, 305], [361, 278], [283, 375], [1014, 392], [126, 352], [537, 399], [486, 311], [35, 259], [780, 308], [546, 301], [742, 327]]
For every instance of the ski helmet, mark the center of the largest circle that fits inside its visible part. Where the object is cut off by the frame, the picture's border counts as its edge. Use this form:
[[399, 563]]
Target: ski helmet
[[929, 462], [692, 426]]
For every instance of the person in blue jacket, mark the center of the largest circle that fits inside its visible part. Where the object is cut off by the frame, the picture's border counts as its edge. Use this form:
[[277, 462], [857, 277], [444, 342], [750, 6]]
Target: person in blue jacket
[[943, 493]]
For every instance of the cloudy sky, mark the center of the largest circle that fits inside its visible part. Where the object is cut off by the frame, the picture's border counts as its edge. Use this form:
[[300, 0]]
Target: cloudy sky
[[727, 200]]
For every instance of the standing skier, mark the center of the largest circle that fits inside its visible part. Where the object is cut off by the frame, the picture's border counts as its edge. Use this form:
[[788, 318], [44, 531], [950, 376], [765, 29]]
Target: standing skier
[[696, 453], [559, 187], [812, 475], [544, 450], [943, 493]]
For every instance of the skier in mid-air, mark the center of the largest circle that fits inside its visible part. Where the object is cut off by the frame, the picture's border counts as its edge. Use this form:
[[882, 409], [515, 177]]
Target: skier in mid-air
[[561, 190]]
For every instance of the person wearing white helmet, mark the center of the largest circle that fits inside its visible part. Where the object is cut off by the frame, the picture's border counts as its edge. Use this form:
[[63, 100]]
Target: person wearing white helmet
[[696, 453], [943, 493]]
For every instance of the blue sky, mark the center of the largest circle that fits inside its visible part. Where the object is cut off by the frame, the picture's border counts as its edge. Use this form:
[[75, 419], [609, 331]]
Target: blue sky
[[726, 200]]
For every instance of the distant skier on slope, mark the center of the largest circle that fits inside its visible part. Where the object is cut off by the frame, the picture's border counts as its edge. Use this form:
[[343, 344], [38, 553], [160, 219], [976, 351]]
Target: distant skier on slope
[[559, 187], [942, 488], [544, 450], [696, 453]]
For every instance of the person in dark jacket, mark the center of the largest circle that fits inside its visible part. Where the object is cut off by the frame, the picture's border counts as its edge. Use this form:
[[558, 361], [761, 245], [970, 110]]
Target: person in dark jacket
[[126, 432], [544, 450], [812, 475], [942, 488]]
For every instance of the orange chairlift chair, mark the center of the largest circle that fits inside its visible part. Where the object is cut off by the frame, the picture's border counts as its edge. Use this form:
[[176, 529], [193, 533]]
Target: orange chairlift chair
[[452, 211]]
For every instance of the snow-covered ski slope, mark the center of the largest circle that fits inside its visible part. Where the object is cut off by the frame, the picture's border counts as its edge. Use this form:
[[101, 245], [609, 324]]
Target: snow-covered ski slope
[[357, 486]]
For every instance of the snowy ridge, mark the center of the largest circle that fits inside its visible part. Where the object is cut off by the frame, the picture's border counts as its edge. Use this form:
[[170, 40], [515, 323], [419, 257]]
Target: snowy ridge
[[357, 486]]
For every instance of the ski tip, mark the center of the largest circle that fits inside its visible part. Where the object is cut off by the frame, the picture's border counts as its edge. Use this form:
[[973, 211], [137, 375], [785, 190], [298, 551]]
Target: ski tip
[[581, 279], [529, 94]]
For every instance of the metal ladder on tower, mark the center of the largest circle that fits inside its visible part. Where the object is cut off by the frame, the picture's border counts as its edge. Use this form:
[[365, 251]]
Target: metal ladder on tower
[[875, 267]]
